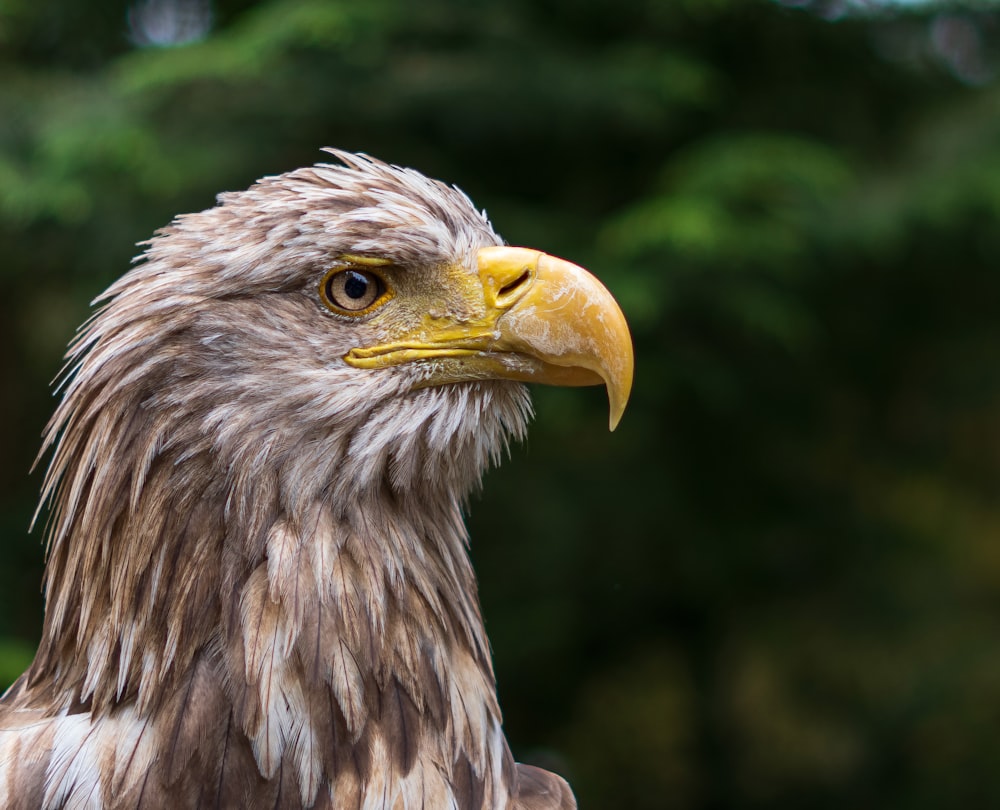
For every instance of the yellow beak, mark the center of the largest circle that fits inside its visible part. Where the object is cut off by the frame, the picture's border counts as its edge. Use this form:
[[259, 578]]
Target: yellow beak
[[535, 318]]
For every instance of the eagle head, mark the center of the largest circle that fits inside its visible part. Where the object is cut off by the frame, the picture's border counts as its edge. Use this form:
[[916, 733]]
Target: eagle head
[[258, 592]]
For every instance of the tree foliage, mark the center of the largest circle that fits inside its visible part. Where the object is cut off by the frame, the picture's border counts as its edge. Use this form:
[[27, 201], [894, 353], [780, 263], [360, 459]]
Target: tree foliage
[[778, 584]]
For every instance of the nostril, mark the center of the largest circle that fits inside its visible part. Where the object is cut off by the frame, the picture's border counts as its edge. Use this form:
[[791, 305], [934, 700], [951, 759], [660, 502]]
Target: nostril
[[512, 287]]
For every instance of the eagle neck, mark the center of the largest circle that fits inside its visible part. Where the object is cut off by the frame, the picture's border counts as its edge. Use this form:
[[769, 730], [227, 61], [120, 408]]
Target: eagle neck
[[373, 614]]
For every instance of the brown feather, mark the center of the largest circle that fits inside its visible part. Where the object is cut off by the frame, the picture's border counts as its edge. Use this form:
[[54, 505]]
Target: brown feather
[[258, 590]]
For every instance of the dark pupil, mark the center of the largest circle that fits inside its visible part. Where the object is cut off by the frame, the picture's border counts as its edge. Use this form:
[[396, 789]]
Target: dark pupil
[[356, 285]]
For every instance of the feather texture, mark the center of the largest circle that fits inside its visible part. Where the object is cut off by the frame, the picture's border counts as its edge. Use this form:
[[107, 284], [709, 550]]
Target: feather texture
[[258, 591]]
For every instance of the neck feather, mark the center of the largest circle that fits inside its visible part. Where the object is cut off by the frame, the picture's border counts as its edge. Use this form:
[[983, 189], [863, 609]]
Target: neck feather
[[314, 589]]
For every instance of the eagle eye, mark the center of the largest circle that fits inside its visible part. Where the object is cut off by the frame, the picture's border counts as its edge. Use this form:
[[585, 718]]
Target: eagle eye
[[353, 291]]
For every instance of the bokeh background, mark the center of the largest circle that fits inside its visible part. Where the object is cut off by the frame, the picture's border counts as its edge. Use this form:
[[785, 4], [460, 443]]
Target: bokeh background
[[777, 585]]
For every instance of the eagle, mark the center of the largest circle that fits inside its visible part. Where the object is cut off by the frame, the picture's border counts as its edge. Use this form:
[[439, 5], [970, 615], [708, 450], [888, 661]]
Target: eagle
[[258, 589]]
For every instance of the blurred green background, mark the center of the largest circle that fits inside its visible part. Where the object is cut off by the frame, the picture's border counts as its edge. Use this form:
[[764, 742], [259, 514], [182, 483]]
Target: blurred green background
[[777, 585]]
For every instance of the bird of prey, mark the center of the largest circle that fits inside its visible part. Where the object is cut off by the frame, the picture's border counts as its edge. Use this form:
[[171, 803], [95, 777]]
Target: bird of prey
[[258, 592]]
